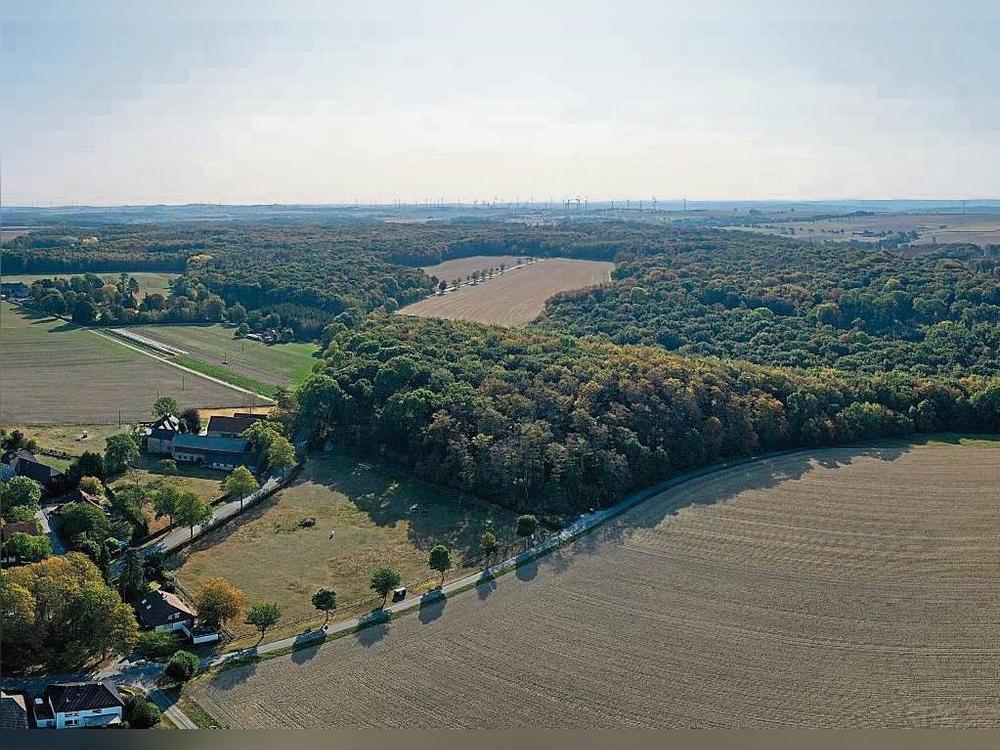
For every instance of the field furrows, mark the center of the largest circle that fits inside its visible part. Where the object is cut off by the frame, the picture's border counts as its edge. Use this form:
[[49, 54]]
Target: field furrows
[[852, 588]]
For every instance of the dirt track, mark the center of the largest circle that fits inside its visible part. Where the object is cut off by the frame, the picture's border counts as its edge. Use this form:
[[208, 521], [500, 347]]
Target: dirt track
[[516, 297], [853, 589]]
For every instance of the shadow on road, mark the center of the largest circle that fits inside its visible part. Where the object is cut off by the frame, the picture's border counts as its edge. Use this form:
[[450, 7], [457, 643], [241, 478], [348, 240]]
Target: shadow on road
[[432, 606], [486, 586], [372, 628]]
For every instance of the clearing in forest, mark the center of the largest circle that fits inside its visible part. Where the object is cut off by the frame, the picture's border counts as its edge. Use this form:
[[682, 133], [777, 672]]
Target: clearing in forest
[[844, 587], [515, 297]]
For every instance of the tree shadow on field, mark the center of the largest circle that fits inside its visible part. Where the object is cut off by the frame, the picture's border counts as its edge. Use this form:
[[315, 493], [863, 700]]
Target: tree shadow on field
[[527, 571], [486, 585], [372, 628], [228, 679], [307, 653], [432, 606]]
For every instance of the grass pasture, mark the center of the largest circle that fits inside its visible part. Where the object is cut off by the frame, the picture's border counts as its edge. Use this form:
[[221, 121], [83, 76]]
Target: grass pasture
[[272, 557], [515, 297], [56, 373], [275, 365], [835, 588]]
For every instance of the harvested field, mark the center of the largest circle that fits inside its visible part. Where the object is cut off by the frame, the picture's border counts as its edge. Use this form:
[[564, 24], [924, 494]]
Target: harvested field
[[846, 587], [516, 297], [459, 268], [56, 373]]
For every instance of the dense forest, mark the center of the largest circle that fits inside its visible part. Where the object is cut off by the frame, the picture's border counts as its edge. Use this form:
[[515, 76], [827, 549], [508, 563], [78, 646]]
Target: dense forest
[[555, 424], [775, 301]]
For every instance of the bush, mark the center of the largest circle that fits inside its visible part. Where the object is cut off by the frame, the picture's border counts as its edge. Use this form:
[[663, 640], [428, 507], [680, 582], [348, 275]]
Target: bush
[[157, 646], [182, 666], [141, 713]]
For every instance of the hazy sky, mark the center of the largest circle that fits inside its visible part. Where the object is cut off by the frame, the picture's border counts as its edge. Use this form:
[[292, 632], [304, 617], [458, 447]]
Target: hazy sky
[[332, 103]]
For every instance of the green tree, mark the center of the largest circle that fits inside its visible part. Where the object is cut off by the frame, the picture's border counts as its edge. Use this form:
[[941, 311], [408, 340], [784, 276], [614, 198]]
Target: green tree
[[120, 453], [489, 545], [440, 560], [132, 578], [99, 555], [84, 520], [383, 581], [157, 645], [74, 616], [28, 547], [527, 525], [165, 405], [20, 491], [325, 600], [183, 665], [240, 484], [280, 455], [219, 602], [89, 464], [92, 486], [191, 420], [165, 501], [19, 513], [191, 511], [141, 713], [263, 616]]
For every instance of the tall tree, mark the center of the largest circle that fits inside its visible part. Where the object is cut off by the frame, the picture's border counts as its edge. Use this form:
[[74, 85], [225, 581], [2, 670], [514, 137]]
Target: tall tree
[[132, 578], [527, 525], [120, 453], [240, 484], [219, 602], [489, 545], [440, 560], [383, 581], [263, 616], [20, 491], [325, 600], [191, 511], [165, 405]]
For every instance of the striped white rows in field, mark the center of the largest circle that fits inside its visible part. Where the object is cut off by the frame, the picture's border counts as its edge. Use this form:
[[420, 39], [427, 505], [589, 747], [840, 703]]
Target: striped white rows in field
[[149, 343]]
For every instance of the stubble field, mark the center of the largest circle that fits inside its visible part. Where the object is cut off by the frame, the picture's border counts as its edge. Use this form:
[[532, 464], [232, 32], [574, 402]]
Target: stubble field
[[56, 373], [847, 587], [515, 297]]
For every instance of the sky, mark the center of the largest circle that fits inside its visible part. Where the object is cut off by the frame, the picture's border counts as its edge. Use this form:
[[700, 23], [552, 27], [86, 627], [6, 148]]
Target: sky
[[334, 102]]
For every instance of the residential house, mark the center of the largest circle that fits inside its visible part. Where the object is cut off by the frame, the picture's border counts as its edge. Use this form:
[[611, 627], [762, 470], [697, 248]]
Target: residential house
[[8, 530], [24, 464], [70, 705], [164, 611], [13, 711], [159, 436], [14, 290], [231, 427], [213, 452]]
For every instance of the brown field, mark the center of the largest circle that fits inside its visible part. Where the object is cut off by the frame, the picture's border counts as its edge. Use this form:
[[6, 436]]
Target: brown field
[[846, 587], [515, 298], [53, 372], [462, 267]]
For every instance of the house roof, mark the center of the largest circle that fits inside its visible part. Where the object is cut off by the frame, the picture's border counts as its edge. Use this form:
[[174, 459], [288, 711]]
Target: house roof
[[13, 714], [9, 529], [232, 425], [157, 606], [197, 443], [10, 456], [83, 696], [164, 428], [41, 473]]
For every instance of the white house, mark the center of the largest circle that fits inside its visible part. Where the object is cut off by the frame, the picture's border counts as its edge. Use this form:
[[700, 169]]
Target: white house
[[71, 705]]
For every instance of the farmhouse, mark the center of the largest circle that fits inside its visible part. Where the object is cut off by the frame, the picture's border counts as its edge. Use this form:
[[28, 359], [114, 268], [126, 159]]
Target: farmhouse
[[214, 452], [24, 464], [160, 434], [72, 705], [15, 290], [231, 427], [163, 611], [13, 711]]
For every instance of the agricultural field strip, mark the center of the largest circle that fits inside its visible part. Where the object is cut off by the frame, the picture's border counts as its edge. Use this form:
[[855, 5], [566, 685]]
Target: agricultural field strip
[[148, 342], [710, 616], [166, 361]]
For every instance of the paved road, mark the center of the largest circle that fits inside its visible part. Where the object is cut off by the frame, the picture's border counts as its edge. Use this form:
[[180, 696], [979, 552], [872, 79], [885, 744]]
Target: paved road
[[58, 548], [177, 537], [170, 709]]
